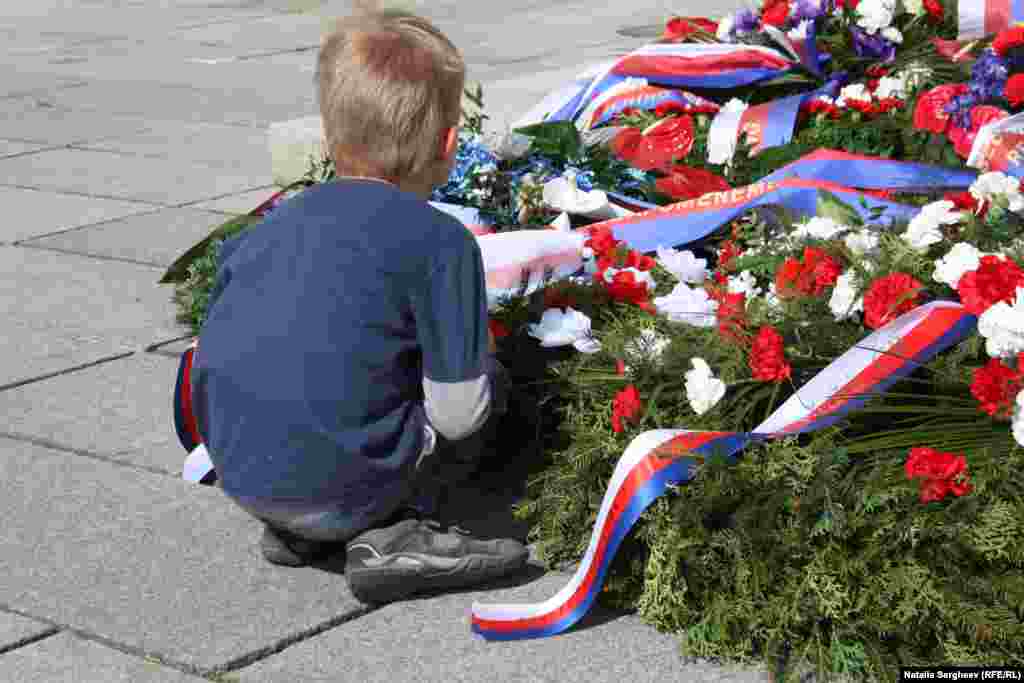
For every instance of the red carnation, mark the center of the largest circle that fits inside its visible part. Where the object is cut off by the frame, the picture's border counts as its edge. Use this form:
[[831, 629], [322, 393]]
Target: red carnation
[[626, 406], [1008, 39], [625, 287], [687, 182], [634, 259], [775, 12], [1014, 92], [964, 201], [728, 252], [731, 315], [996, 385], [935, 11], [889, 297], [767, 356], [995, 280], [602, 241], [811, 276], [930, 114], [679, 29], [943, 473]]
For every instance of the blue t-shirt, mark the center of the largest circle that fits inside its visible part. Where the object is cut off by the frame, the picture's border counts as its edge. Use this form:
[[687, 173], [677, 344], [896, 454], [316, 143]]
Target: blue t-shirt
[[323, 322]]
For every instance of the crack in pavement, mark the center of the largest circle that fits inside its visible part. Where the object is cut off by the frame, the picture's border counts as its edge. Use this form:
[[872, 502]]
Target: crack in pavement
[[65, 371], [56, 446], [85, 254]]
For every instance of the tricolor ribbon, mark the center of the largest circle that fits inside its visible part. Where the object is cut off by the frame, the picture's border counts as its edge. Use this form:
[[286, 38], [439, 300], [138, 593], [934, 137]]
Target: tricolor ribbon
[[694, 219], [980, 18], [658, 459], [873, 173], [638, 94]]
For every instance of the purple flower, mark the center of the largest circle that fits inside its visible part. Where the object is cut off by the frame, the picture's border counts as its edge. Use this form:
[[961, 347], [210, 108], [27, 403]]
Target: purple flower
[[807, 9], [747, 20], [959, 108], [872, 47], [988, 76]]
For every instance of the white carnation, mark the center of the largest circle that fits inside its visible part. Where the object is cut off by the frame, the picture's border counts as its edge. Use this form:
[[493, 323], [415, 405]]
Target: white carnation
[[875, 15], [994, 184], [684, 265], [703, 389], [1002, 326], [855, 91], [744, 283], [962, 258], [861, 242], [690, 305], [844, 302], [820, 228], [889, 86], [892, 34], [925, 228]]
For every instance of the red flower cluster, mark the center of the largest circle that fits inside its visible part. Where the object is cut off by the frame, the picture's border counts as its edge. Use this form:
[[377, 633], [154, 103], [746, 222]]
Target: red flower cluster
[[815, 106], [731, 315], [943, 473], [1014, 91], [498, 328], [672, 107], [930, 112], [728, 252], [965, 201], [679, 29], [889, 297], [996, 385], [687, 182], [767, 356], [995, 280], [935, 10], [662, 145], [1008, 39], [775, 12], [809, 277], [626, 407], [624, 285], [963, 138]]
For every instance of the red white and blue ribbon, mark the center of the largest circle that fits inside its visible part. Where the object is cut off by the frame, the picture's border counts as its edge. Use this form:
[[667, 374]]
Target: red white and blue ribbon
[[980, 18], [658, 459], [694, 219], [873, 173], [638, 94]]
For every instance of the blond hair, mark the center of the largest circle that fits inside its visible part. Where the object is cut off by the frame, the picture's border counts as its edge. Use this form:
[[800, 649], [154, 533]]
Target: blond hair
[[390, 83]]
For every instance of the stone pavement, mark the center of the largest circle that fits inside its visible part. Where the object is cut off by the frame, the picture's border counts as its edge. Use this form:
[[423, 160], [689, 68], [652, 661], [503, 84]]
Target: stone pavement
[[129, 128]]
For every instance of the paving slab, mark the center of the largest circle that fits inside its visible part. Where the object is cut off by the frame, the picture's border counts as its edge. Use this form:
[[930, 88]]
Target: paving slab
[[120, 409], [154, 564], [122, 176], [232, 147], [280, 32], [245, 103], [15, 82], [40, 212], [429, 640], [16, 630], [238, 203], [157, 238], [62, 310], [66, 657], [29, 119]]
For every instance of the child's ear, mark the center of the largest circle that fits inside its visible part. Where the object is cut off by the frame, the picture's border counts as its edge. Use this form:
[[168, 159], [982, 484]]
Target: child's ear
[[449, 142]]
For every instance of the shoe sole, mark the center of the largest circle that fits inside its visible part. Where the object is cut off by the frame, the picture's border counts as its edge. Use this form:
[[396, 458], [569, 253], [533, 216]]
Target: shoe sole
[[391, 583]]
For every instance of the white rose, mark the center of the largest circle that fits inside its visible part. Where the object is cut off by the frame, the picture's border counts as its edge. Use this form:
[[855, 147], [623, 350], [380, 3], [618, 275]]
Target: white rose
[[684, 265], [744, 283], [564, 328], [924, 229], [690, 305], [962, 258], [820, 228], [1002, 326], [703, 389], [861, 242], [844, 302]]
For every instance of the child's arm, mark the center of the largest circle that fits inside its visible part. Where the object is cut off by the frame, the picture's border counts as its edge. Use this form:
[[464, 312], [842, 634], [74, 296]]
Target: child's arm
[[451, 321]]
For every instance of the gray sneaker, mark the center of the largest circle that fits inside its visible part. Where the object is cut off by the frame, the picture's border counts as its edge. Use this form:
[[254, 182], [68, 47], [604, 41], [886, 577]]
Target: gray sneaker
[[412, 556]]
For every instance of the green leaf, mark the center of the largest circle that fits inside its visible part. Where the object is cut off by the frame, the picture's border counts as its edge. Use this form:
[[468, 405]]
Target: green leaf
[[178, 272], [830, 206], [556, 138]]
